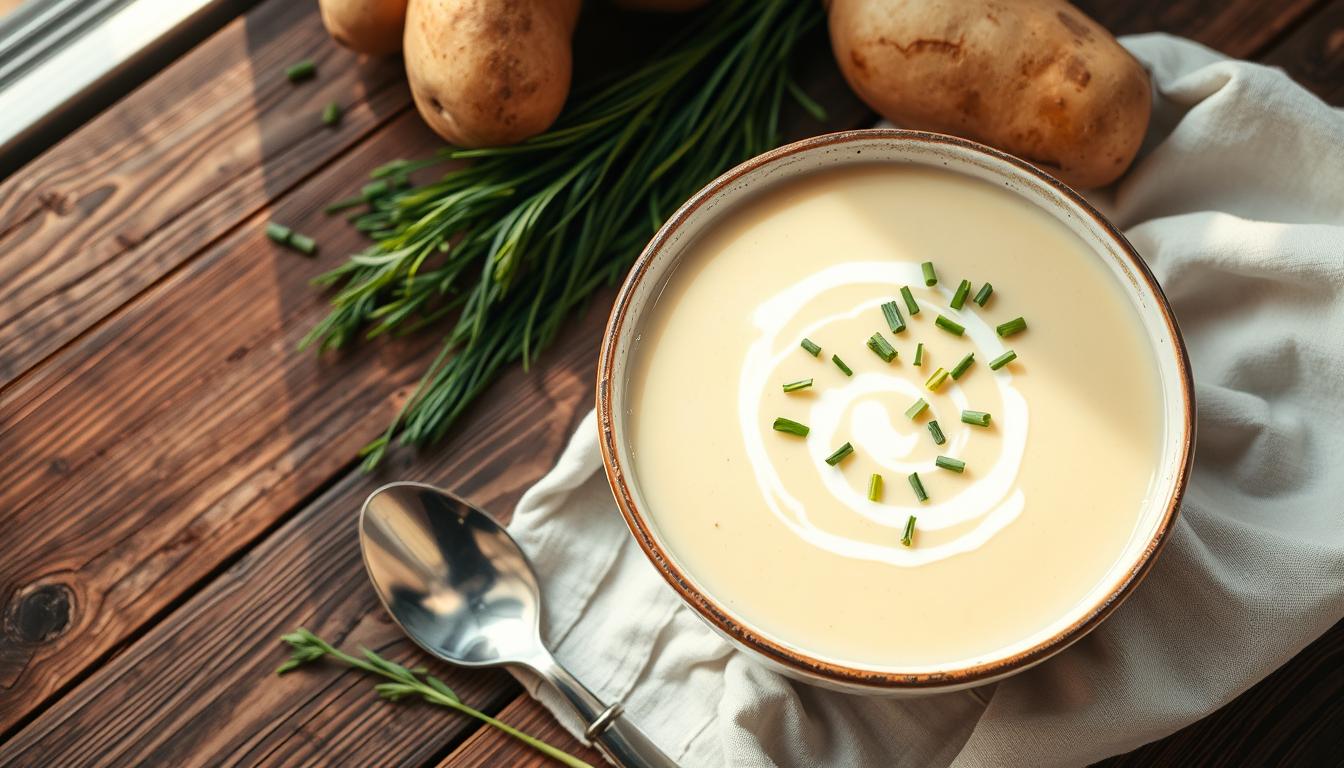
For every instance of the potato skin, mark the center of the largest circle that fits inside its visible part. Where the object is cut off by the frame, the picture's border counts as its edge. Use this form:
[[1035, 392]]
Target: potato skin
[[367, 26], [1035, 78], [487, 73]]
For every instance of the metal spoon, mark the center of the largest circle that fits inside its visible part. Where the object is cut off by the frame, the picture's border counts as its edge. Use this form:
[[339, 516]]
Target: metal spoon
[[458, 584]]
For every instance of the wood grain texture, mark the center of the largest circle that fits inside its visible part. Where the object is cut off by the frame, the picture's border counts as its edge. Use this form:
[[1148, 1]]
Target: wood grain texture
[[142, 188], [485, 749], [1240, 29], [1314, 53]]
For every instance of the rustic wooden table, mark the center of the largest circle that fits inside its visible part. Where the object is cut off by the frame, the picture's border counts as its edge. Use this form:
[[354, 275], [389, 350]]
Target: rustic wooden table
[[178, 482]]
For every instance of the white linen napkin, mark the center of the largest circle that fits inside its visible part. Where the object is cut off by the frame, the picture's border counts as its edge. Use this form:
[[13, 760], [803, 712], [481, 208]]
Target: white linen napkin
[[1237, 204]]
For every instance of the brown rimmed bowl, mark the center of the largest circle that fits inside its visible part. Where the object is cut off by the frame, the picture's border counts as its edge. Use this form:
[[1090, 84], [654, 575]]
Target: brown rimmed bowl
[[955, 155]]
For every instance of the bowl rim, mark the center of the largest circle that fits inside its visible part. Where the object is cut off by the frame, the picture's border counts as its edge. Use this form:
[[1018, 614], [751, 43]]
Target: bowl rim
[[722, 619]]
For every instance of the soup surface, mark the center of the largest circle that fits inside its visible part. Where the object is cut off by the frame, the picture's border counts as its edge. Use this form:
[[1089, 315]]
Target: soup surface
[[1052, 489]]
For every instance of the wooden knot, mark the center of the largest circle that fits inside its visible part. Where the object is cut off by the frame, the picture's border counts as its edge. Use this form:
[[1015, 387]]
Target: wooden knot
[[38, 614]]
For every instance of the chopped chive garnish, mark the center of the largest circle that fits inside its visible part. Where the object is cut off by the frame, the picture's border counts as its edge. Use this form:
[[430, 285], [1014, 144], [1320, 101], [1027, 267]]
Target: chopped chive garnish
[[963, 365], [1002, 360], [841, 365], [893, 314], [794, 386], [301, 70], [812, 349], [916, 408], [930, 277], [909, 298], [909, 537], [959, 298], [918, 487], [881, 348], [303, 243], [792, 427], [950, 325], [983, 294], [919, 353], [1012, 326], [947, 462], [341, 205], [936, 380], [874, 487], [937, 433], [978, 418], [840, 454], [331, 114], [375, 189], [279, 232]]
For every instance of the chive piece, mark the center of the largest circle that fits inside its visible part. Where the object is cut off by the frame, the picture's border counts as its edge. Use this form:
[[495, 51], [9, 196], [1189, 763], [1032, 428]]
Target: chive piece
[[331, 114], [375, 189], [301, 70], [918, 487], [947, 462], [930, 277], [950, 325], [1012, 326], [963, 365], [841, 365], [840, 454], [1002, 360], [875, 487], [303, 243], [919, 353], [936, 380], [794, 386], [937, 432], [910, 304], [341, 205], [279, 232], [978, 418], [812, 349], [909, 537], [959, 298], [792, 427], [983, 294], [893, 314], [881, 347], [916, 408]]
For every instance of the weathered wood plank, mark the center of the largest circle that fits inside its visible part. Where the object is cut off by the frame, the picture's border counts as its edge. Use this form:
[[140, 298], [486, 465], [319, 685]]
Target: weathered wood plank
[[485, 748], [1314, 53], [1239, 29], [140, 189]]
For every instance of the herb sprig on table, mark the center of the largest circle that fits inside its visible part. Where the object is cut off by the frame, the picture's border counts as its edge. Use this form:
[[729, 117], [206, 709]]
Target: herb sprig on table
[[308, 647], [504, 248]]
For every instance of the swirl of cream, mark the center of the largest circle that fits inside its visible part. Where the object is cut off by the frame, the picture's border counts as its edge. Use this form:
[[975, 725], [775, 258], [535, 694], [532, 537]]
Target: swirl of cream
[[992, 502]]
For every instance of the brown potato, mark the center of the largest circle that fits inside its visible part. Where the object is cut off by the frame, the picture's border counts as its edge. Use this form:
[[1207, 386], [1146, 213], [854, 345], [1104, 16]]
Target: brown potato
[[367, 26], [488, 73], [1035, 78]]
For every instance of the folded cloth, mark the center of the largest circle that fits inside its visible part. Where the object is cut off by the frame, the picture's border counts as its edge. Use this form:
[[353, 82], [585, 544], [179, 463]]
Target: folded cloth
[[1237, 204]]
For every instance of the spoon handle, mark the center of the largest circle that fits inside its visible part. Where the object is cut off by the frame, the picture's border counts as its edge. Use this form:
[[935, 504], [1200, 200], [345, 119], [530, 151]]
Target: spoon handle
[[613, 734]]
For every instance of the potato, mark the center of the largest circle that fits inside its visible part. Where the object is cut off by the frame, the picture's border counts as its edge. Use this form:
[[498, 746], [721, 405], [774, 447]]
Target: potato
[[367, 26], [488, 73], [1035, 78], [662, 6]]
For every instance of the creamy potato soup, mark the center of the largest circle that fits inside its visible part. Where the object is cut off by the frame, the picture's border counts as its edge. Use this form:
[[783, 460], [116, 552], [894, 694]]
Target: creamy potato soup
[[967, 511]]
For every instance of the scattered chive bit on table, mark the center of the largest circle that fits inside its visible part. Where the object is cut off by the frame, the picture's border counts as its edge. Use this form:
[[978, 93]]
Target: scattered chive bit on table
[[278, 232], [978, 418], [959, 298], [331, 114], [1002, 360], [794, 386], [881, 347], [910, 305], [908, 538], [841, 365], [792, 427], [283, 235], [300, 70], [840, 454], [916, 408], [930, 277], [962, 366], [983, 294], [811, 347], [949, 325], [1012, 326], [918, 487], [919, 353], [936, 380], [947, 462], [303, 243], [875, 487], [893, 314], [937, 432]]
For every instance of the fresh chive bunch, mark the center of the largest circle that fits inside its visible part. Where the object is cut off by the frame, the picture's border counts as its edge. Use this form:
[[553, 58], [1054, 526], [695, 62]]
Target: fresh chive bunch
[[505, 247]]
